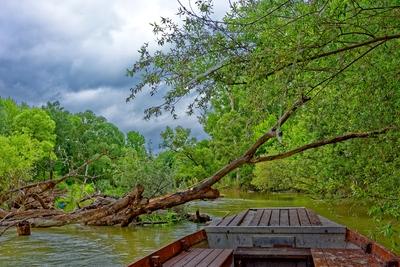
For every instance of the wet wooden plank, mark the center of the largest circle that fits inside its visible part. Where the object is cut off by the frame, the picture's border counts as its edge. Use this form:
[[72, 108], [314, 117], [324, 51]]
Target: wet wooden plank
[[189, 257], [249, 217], [226, 220], [200, 257], [265, 218], [225, 259], [293, 218], [304, 221], [284, 218], [213, 255], [313, 217], [238, 219], [257, 217], [174, 260], [274, 221]]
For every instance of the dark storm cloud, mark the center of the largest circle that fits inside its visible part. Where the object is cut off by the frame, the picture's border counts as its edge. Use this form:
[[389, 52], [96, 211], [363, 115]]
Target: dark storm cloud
[[77, 52]]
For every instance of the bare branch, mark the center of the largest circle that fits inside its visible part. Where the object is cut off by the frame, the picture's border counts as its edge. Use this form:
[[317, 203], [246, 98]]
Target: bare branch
[[42, 187], [70, 174], [330, 78], [340, 50], [320, 143]]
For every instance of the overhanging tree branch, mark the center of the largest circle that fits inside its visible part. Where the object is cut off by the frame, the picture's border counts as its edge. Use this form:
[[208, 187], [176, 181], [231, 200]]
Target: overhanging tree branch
[[320, 143], [337, 51], [249, 154]]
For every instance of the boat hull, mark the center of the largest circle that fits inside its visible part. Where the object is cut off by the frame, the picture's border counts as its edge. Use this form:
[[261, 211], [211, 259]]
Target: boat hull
[[292, 237]]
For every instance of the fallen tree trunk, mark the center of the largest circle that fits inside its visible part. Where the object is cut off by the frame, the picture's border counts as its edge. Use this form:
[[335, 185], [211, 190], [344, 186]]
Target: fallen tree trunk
[[121, 212]]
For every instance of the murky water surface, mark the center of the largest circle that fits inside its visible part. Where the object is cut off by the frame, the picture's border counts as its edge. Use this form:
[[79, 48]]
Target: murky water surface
[[76, 245]]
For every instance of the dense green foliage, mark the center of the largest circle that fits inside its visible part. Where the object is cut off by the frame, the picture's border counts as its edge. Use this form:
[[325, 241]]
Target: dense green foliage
[[44, 143], [27, 136]]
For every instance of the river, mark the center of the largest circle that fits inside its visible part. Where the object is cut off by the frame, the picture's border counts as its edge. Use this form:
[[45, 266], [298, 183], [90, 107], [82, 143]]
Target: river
[[75, 245]]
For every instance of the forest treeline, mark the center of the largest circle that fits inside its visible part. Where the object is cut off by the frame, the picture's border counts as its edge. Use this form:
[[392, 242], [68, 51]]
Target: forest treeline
[[244, 72], [46, 143]]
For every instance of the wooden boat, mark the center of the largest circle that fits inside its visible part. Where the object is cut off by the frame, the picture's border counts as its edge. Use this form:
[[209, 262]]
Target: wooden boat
[[290, 237]]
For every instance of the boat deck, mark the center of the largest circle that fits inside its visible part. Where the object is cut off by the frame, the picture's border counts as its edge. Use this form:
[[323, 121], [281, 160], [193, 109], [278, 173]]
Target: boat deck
[[272, 227], [284, 237], [271, 217]]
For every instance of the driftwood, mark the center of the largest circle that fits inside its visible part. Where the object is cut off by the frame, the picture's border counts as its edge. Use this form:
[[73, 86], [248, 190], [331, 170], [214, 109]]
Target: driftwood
[[123, 211], [198, 217], [24, 228]]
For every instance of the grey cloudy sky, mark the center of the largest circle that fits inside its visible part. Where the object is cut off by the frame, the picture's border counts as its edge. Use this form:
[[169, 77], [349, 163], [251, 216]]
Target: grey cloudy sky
[[77, 52]]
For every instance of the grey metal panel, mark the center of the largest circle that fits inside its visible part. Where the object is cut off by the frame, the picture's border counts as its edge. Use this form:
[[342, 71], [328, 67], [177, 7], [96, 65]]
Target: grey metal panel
[[273, 240], [300, 240]]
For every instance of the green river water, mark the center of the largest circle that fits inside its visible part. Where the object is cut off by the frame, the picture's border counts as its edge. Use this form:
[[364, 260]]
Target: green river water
[[76, 245]]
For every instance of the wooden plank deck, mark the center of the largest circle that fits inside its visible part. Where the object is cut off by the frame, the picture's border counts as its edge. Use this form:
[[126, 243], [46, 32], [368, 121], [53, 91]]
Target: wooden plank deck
[[171, 250], [343, 258], [285, 237], [202, 257], [276, 227], [271, 217]]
